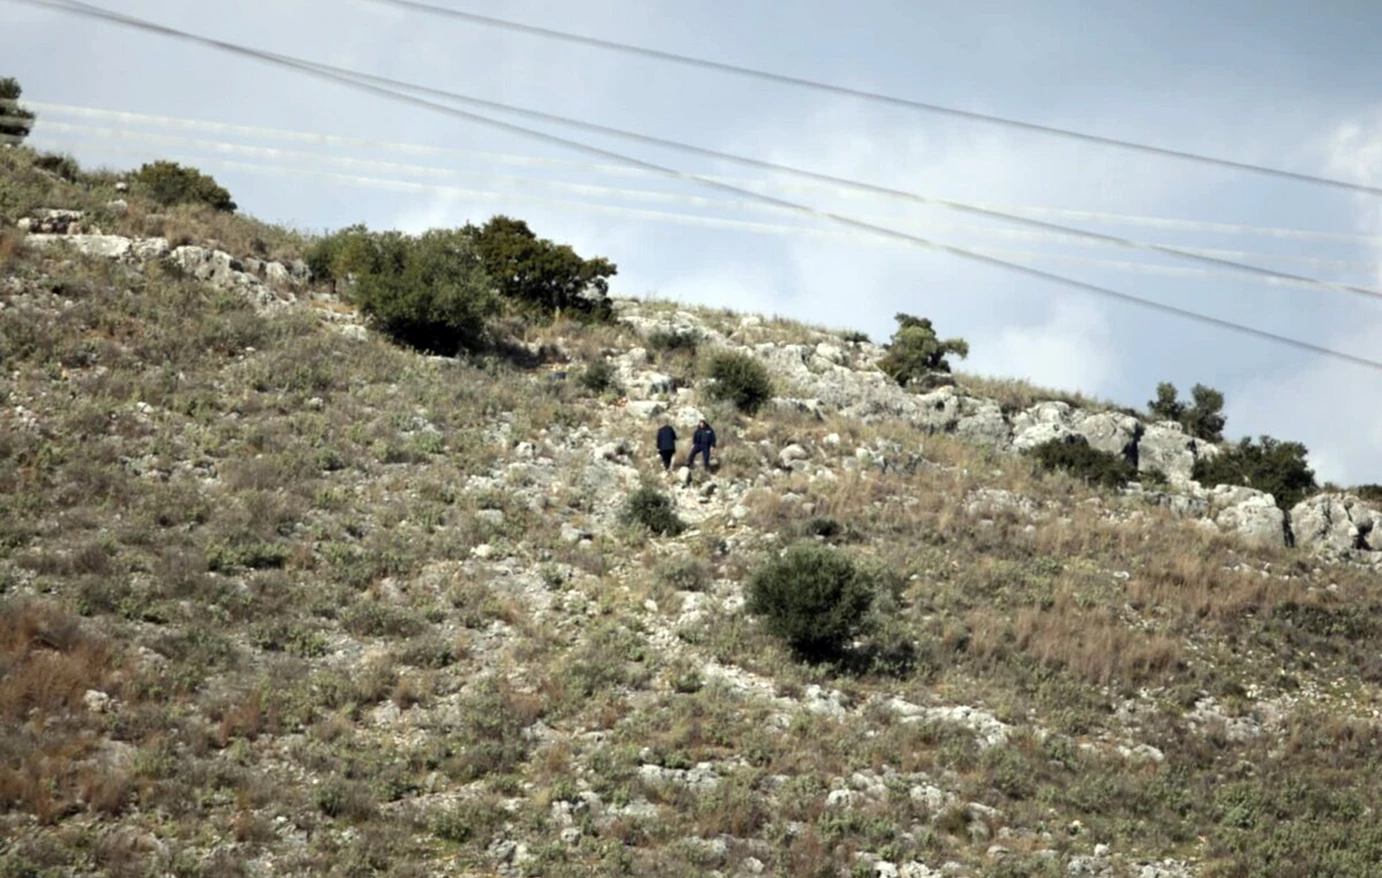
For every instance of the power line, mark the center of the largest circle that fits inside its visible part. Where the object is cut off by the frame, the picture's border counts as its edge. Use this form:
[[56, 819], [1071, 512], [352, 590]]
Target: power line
[[358, 82], [619, 170], [682, 218], [389, 87], [863, 94], [105, 134]]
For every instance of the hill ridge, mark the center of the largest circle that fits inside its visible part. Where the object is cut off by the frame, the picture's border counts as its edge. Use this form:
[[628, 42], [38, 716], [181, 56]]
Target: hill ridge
[[280, 597]]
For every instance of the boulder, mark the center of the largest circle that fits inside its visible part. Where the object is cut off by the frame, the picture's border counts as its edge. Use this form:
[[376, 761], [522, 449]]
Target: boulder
[[1336, 523], [1164, 446], [792, 457], [1250, 513], [982, 420], [647, 408], [104, 246], [1042, 423], [1040, 434], [1113, 432]]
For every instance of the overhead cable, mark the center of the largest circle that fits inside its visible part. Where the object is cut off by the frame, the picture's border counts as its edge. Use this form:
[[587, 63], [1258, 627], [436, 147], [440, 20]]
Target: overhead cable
[[363, 84], [872, 96], [102, 136]]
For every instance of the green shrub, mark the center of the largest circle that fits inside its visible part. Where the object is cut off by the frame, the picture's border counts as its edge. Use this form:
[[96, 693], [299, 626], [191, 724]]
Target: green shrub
[[915, 351], [65, 166], [537, 274], [814, 598], [169, 183], [822, 526], [344, 252], [672, 340], [599, 376], [1370, 493], [15, 120], [245, 550], [648, 507], [1202, 418], [1074, 455], [1268, 464], [683, 573], [430, 292], [740, 379]]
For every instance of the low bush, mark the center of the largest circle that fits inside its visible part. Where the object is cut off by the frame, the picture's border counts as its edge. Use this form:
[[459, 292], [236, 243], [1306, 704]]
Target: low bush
[[741, 380], [915, 350], [650, 508], [537, 274], [599, 376], [15, 120], [1267, 464], [169, 183], [671, 340], [1075, 455], [814, 598], [429, 292], [1202, 418]]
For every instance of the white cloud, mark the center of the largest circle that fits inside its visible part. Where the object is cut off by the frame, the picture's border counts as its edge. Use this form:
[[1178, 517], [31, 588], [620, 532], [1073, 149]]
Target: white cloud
[[1332, 406], [1073, 350]]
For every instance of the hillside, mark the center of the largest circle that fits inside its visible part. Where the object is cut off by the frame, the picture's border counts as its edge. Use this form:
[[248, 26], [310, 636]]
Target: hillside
[[280, 597]]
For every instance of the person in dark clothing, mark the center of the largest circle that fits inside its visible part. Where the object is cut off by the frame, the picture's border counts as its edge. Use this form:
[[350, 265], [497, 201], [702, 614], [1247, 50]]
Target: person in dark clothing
[[667, 445], [701, 442]]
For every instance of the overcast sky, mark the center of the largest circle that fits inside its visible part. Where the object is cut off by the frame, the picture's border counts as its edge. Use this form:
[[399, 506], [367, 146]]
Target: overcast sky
[[1286, 84]]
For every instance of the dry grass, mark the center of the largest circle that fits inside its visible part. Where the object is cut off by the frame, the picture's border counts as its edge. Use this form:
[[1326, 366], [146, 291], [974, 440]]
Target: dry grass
[[323, 647], [1017, 394], [47, 663]]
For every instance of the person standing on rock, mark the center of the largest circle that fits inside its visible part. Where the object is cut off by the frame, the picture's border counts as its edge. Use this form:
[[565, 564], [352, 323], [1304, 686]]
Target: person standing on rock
[[667, 445], [701, 442]]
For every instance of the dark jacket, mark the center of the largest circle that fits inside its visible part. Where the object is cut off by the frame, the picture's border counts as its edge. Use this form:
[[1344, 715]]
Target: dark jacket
[[667, 439], [703, 438]]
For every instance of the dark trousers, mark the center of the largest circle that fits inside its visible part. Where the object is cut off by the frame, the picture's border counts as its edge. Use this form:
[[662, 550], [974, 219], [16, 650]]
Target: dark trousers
[[705, 454], [667, 455]]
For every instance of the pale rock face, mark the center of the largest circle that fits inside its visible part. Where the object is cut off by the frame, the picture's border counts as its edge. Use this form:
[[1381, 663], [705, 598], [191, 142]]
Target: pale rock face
[[1042, 433], [1164, 446], [1251, 514], [1113, 432], [1336, 523], [984, 422]]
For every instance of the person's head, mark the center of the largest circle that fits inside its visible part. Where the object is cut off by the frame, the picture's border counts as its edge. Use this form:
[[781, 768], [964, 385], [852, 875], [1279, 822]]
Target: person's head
[[704, 424]]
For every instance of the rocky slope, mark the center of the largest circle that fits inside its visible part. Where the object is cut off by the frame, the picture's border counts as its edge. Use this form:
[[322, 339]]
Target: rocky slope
[[279, 598]]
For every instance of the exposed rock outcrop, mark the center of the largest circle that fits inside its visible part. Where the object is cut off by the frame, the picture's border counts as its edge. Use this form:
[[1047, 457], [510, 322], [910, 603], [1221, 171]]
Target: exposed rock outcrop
[[1337, 524]]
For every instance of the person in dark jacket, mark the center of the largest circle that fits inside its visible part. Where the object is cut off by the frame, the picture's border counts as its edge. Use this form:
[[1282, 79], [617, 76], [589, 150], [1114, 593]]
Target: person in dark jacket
[[701, 442], [667, 445]]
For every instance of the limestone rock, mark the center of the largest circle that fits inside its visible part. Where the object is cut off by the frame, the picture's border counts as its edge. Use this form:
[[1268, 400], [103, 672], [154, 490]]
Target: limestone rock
[[1113, 432], [102, 246], [1251, 514], [1336, 523], [1165, 446], [792, 457]]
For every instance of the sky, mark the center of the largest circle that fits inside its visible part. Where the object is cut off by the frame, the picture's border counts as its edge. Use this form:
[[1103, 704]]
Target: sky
[[1272, 82]]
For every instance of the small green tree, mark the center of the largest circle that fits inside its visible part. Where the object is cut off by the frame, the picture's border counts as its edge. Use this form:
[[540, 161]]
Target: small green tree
[[1203, 418], [1167, 406], [538, 274], [349, 251], [915, 350], [1076, 456], [15, 121], [169, 183], [740, 379], [1270, 465], [430, 292], [648, 507], [813, 597]]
